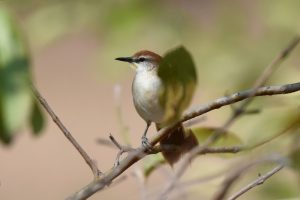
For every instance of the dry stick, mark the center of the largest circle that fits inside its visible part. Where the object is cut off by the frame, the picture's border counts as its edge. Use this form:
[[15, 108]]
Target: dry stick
[[122, 149], [256, 182], [239, 96], [238, 112], [140, 152], [67, 133]]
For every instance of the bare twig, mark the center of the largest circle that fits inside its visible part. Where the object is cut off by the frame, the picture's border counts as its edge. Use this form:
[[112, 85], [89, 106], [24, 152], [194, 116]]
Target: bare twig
[[67, 133], [251, 93], [257, 182], [240, 96], [234, 176], [122, 149]]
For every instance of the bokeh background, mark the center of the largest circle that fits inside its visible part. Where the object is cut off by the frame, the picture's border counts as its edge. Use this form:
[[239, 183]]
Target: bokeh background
[[73, 45]]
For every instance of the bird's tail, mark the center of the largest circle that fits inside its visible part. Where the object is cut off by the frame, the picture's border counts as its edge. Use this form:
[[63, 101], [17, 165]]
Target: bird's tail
[[177, 143]]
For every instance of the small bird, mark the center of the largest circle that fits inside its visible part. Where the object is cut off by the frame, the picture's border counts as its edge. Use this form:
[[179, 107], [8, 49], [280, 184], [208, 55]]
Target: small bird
[[147, 88]]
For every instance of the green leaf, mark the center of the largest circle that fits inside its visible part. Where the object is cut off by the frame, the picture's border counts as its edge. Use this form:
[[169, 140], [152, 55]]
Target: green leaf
[[15, 96], [178, 73], [203, 133], [37, 120], [151, 162]]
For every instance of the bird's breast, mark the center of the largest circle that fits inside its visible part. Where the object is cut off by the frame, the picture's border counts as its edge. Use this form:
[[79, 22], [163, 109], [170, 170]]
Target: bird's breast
[[146, 89]]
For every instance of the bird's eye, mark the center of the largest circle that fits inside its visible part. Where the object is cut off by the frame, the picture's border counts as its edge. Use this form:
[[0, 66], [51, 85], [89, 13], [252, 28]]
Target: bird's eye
[[142, 59]]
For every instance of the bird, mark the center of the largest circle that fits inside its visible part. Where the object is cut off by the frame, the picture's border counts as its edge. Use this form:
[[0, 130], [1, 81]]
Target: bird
[[147, 90]]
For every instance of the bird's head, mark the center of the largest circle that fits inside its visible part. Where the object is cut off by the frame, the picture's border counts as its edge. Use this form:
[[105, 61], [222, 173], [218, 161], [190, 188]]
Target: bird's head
[[143, 60]]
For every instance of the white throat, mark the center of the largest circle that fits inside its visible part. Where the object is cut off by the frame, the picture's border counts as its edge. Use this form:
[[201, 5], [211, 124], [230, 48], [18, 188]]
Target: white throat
[[144, 66]]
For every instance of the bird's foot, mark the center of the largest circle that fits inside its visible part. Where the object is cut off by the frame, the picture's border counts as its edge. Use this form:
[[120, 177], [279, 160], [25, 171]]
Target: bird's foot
[[146, 144]]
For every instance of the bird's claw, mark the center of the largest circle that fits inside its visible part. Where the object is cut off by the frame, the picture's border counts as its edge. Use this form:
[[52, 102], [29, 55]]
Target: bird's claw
[[146, 144]]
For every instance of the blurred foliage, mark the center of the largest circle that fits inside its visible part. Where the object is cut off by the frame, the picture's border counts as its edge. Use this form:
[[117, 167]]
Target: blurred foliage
[[280, 189], [15, 95], [152, 162], [37, 120], [295, 154], [203, 133]]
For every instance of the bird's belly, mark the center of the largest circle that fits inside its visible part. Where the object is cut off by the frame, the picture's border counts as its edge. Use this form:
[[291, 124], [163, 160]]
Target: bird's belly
[[146, 91]]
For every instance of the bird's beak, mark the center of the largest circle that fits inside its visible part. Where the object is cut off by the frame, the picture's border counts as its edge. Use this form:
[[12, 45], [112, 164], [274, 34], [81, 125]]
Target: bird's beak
[[125, 59]]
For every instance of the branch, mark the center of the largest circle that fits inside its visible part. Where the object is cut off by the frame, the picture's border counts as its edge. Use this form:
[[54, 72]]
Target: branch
[[140, 152], [67, 133], [122, 149], [256, 182], [240, 96]]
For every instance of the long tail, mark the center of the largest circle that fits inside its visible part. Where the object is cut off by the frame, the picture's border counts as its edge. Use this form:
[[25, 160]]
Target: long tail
[[177, 143]]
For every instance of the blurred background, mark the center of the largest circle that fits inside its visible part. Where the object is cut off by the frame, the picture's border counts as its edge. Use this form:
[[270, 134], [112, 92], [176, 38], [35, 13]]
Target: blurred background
[[72, 46]]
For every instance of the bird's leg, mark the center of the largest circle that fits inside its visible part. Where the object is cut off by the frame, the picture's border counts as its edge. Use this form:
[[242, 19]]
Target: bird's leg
[[145, 141]]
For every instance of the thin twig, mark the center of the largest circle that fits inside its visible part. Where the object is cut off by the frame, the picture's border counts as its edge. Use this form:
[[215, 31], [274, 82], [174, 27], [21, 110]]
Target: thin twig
[[122, 149], [256, 182], [115, 142], [234, 176], [240, 96], [67, 133]]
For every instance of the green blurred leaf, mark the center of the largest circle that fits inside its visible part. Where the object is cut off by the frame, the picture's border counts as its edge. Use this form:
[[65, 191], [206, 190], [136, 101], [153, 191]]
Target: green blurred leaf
[[203, 133], [15, 96], [37, 120], [178, 73], [279, 187], [151, 162], [295, 155]]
